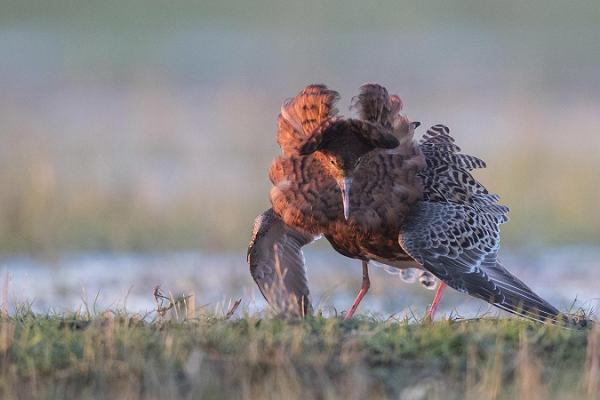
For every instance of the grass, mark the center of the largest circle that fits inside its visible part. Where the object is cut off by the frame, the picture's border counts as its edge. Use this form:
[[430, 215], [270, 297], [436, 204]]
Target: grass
[[116, 355]]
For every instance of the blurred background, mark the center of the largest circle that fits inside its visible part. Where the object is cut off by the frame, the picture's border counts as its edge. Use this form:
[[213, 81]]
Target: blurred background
[[136, 136]]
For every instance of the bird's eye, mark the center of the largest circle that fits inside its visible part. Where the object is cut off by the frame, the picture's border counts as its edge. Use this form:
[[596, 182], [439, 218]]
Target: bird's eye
[[332, 162]]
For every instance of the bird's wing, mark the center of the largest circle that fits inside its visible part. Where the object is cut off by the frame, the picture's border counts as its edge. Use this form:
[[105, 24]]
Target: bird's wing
[[459, 245], [277, 264], [302, 114], [447, 176], [454, 233]]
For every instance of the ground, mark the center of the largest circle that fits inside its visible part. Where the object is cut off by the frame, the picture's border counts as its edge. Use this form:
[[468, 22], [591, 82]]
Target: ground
[[115, 355]]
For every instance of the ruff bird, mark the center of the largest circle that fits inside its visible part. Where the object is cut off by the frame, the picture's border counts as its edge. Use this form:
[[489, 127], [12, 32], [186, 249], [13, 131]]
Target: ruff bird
[[376, 194]]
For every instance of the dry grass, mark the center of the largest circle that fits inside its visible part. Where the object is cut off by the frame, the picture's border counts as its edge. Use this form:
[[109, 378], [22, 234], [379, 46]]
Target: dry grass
[[209, 355]]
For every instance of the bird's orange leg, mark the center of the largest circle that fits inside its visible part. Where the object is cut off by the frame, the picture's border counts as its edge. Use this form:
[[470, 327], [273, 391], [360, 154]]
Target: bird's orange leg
[[436, 300], [366, 284]]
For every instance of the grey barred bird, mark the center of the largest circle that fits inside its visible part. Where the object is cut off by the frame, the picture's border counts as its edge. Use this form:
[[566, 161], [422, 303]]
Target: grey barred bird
[[376, 194]]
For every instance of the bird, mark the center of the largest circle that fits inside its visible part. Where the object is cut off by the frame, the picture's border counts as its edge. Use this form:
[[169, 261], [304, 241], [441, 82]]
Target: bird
[[270, 231], [377, 194]]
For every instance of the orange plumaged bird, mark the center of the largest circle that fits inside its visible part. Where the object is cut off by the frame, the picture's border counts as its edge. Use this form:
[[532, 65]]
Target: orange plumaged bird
[[376, 194]]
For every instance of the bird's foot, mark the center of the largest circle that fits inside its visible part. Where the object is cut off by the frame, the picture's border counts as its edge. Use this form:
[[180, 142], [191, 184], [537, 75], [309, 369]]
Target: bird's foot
[[435, 302], [366, 283]]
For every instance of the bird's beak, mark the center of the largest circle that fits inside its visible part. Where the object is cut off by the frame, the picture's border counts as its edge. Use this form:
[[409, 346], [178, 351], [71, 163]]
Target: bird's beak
[[345, 185]]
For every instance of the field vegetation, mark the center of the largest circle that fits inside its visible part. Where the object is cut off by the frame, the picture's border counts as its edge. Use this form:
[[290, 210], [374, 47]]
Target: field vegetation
[[220, 354]]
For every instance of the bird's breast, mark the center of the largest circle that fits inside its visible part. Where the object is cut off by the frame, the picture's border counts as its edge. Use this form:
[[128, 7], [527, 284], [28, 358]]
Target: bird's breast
[[352, 241], [383, 191]]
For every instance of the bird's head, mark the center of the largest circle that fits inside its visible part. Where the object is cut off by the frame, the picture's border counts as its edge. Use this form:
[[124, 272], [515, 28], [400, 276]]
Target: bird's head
[[342, 166], [343, 146]]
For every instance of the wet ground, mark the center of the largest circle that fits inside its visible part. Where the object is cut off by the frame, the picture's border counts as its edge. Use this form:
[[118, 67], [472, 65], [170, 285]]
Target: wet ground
[[125, 281]]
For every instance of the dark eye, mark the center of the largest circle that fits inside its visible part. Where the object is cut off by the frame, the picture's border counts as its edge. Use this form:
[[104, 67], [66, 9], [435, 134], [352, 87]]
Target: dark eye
[[332, 162]]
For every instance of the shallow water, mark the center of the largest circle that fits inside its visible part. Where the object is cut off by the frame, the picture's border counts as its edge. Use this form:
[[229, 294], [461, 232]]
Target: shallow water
[[125, 281]]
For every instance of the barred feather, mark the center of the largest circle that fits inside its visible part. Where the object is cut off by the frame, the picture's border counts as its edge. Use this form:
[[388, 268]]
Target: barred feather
[[374, 104], [459, 244], [454, 233], [304, 113], [447, 177]]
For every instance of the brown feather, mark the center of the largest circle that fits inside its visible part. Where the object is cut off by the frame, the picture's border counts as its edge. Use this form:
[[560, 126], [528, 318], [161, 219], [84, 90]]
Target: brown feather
[[302, 114], [386, 183], [305, 194]]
